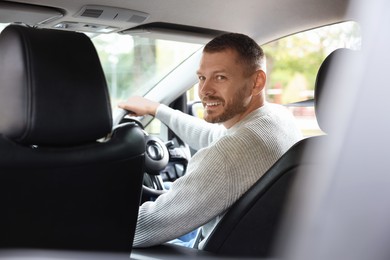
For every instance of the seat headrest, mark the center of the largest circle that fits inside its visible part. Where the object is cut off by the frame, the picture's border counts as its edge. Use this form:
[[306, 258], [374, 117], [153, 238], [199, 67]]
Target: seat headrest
[[327, 72], [52, 88]]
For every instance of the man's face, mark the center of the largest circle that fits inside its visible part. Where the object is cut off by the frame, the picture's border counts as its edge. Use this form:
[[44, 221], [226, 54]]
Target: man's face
[[224, 87]]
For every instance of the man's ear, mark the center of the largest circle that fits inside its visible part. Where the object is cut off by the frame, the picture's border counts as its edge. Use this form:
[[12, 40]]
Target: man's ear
[[259, 83]]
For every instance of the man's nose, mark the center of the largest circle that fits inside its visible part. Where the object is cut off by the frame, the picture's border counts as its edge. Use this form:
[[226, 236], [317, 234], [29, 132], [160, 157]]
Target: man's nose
[[206, 88]]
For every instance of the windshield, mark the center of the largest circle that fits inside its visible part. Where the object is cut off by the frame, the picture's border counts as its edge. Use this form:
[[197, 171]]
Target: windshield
[[133, 65]]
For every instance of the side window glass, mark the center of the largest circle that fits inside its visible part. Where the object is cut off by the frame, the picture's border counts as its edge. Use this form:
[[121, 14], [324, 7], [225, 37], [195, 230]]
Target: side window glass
[[292, 65]]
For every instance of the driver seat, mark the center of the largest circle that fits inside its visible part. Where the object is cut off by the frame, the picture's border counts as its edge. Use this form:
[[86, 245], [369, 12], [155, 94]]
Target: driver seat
[[63, 185], [250, 227]]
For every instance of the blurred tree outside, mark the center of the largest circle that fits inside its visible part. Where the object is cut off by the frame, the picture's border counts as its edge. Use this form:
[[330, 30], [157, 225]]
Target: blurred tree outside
[[127, 62], [293, 62], [133, 64]]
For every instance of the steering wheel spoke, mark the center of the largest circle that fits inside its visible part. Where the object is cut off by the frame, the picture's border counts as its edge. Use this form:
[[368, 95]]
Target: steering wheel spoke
[[163, 161]]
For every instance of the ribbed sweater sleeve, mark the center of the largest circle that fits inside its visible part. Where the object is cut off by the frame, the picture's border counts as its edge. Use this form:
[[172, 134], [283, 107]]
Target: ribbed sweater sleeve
[[196, 132], [186, 206]]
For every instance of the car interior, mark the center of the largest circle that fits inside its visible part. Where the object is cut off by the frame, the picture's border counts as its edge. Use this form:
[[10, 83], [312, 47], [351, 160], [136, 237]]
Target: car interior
[[54, 169], [74, 168]]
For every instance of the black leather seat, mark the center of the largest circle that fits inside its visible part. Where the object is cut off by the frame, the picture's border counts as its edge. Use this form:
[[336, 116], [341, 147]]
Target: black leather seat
[[60, 188], [251, 225]]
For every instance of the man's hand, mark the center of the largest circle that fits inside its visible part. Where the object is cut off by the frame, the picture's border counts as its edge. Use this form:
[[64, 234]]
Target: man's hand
[[139, 106]]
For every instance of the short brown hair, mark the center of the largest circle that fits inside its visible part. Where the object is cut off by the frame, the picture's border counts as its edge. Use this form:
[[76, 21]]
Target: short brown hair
[[250, 53]]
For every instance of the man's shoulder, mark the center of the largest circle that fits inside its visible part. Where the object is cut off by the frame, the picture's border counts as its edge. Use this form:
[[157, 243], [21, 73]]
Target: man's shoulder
[[269, 116], [274, 109], [244, 137]]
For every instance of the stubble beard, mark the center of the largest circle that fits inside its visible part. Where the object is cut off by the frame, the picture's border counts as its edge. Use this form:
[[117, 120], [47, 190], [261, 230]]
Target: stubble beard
[[236, 107]]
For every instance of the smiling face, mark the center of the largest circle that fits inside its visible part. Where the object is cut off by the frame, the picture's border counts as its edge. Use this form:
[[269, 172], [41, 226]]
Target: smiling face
[[227, 89]]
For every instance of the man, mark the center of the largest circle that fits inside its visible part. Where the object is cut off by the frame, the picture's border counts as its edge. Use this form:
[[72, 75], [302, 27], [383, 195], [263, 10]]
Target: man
[[250, 136]]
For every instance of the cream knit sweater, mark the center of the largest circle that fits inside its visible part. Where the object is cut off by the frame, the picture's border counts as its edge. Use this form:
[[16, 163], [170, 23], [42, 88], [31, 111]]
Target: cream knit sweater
[[228, 163]]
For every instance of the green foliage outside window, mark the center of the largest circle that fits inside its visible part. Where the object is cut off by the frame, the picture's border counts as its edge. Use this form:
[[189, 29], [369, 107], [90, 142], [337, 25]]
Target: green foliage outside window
[[293, 62]]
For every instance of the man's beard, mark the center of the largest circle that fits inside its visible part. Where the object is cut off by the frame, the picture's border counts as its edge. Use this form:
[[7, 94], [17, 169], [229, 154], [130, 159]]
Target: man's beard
[[237, 106]]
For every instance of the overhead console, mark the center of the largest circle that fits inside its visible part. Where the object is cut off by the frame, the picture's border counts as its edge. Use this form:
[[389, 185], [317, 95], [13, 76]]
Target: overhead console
[[97, 19], [90, 18]]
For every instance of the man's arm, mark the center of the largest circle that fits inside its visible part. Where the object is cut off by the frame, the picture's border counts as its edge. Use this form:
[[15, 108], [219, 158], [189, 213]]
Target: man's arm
[[196, 132], [192, 201], [140, 106]]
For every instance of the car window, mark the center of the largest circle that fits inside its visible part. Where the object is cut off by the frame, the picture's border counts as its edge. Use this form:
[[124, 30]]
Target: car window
[[293, 62], [133, 65], [292, 65]]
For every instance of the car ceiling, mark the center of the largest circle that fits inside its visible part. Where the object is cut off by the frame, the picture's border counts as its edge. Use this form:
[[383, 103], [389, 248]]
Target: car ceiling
[[264, 20]]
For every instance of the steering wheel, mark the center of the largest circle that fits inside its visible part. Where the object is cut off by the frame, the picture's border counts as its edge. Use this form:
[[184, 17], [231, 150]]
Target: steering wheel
[[156, 157]]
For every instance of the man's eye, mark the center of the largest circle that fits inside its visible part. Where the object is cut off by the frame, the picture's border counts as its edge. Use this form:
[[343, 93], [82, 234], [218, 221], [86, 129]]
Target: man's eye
[[201, 78], [220, 77]]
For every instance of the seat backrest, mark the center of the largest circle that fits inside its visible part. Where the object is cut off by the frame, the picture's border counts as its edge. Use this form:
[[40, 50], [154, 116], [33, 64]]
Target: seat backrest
[[61, 186], [250, 226]]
